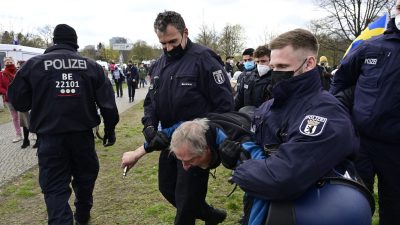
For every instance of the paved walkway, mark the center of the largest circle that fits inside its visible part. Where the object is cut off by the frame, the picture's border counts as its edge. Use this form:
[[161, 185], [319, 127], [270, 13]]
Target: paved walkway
[[14, 161]]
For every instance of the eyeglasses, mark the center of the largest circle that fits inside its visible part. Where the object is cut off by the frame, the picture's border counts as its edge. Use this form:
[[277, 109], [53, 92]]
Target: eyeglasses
[[262, 61]]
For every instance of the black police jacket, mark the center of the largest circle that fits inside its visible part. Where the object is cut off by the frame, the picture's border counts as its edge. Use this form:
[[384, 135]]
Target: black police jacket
[[62, 89], [306, 132], [186, 88], [253, 89], [372, 70]]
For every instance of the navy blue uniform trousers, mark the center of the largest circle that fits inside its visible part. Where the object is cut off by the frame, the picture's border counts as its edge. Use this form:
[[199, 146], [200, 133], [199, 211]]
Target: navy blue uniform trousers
[[186, 190], [63, 157], [382, 159]]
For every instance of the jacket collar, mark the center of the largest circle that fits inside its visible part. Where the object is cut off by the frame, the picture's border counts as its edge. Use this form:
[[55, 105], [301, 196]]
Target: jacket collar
[[59, 47], [391, 31], [297, 86]]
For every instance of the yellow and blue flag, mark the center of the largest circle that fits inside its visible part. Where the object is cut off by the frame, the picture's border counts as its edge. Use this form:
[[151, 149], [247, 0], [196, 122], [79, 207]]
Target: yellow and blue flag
[[375, 28]]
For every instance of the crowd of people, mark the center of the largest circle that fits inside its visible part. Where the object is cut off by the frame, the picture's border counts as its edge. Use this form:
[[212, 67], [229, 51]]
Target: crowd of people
[[313, 142], [134, 76]]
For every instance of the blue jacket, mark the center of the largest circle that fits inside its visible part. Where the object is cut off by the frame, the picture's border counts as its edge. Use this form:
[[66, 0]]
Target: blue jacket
[[307, 132], [63, 90], [374, 69], [186, 88]]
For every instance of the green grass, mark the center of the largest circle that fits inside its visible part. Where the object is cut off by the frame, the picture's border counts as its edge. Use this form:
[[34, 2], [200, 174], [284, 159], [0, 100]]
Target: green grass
[[117, 200], [375, 217]]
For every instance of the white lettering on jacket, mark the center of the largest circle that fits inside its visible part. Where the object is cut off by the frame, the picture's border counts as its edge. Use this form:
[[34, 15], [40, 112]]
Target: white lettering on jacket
[[371, 61], [62, 64]]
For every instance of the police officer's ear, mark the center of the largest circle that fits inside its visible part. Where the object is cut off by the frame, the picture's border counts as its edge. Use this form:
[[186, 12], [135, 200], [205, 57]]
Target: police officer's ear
[[186, 31], [311, 63]]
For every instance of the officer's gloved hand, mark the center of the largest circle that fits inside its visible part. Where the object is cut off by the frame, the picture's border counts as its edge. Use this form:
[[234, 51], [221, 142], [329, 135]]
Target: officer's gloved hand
[[155, 140], [149, 133], [109, 137], [232, 153]]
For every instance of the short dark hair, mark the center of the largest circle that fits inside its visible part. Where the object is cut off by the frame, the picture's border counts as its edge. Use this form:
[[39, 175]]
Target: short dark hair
[[261, 51], [169, 18], [248, 51], [298, 39]]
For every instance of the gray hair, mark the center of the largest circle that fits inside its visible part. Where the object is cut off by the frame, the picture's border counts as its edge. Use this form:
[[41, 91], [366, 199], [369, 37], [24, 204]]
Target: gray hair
[[193, 133], [169, 18]]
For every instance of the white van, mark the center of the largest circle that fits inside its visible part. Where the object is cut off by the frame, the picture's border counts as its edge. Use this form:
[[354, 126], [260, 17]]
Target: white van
[[18, 52], [103, 64]]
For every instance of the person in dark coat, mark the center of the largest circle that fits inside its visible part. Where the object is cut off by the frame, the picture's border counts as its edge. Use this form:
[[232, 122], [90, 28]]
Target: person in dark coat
[[63, 90], [367, 81], [188, 81]]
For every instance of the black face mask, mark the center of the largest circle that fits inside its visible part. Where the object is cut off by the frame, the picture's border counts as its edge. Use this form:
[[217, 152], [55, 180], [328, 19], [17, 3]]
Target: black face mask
[[175, 53], [277, 76]]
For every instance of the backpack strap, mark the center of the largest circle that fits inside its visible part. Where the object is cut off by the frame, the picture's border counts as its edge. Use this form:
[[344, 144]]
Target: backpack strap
[[211, 135], [281, 212]]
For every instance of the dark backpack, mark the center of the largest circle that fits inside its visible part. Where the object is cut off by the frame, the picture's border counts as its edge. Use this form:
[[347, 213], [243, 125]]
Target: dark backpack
[[236, 125]]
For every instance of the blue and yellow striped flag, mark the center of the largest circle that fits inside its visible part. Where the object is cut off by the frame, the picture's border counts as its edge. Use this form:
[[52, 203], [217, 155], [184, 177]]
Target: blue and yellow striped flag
[[374, 29]]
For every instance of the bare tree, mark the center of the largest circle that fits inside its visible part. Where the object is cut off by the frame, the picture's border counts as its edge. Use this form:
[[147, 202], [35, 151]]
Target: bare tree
[[208, 37], [348, 18], [267, 36], [32, 40], [231, 40], [46, 33]]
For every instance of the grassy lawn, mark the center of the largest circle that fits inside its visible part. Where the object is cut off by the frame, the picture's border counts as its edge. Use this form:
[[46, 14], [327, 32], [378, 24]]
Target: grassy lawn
[[131, 200]]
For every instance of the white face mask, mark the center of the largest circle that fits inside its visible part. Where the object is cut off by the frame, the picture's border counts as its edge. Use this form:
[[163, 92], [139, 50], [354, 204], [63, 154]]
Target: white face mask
[[262, 69], [397, 21]]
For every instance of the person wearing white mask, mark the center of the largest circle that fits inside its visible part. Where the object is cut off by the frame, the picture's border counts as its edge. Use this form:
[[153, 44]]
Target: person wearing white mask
[[367, 81], [253, 90]]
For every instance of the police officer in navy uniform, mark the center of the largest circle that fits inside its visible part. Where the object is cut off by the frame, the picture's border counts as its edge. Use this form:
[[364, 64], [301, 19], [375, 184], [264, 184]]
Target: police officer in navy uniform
[[188, 81], [253, 87], [249, 67], [305, 130], [368, 82], [226, 138], [62, 89]]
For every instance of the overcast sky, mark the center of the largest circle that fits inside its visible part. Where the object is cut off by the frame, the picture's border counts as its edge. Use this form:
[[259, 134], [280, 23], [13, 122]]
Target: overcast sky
[[98, 21]]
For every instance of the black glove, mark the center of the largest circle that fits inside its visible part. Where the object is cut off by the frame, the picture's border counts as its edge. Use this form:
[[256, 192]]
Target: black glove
[[156, 140], [159, 142], [231, 153], [149, 133], [109, 137]]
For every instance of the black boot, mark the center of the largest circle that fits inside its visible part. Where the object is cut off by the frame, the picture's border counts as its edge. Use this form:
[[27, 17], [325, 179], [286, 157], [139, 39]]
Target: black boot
[[217, 216], [37, 143], [26, 142]]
